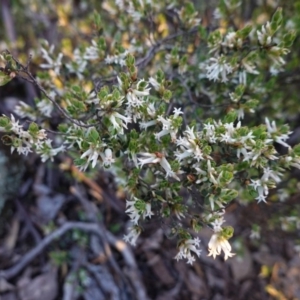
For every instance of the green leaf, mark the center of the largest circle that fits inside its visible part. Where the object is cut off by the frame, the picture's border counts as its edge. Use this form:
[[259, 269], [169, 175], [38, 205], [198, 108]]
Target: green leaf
[[167, 95], [288, 39], [4, 79], [97, 20], [277, 17], [33, 128], [296, 150], [227, 232], [230, 117], [76, 88], [101, 43], [103, 92], [130, 61], [93, 136], [202, 32], [160, 76], [189, 8], [227, 195], [243, 33], [226, 177], [63, 127], [252, 103], [141, 86], [5, 122]]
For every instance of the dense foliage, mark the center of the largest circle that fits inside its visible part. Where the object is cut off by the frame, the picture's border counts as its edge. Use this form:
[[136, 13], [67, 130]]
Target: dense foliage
[[179, 106]]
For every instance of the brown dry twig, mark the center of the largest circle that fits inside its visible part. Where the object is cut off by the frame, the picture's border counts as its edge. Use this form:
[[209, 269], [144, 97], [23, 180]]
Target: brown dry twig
[[141, 63], [33, 253], [133, 270]]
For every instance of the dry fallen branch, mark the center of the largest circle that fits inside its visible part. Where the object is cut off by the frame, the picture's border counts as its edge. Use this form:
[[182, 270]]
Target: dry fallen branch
[[31, 255], [132, 272]]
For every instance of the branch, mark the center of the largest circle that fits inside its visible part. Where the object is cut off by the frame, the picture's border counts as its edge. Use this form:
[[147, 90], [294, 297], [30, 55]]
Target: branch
[[31, 255], [141, 63], [32, 80]]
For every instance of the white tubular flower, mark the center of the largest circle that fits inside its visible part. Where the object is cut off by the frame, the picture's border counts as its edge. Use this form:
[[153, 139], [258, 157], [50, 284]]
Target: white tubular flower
[[154, 83], [133, 100], [166, 166], [262, 190], [91, 53], [92, 155], [134, 213], [16, 128], [119, 120], [78, 64], [107, 157], [168, 127], [210, 132], [145, 125], [249, 67], [23, 110], [264, 35], [177, 112], [151, 110], [217, 224], [133, 235], [157, 157], [211, 172], [217, 244], [46, 106], [46, 151], [186, 248], [188, 146], [51, 64], [22, 147], [272, 128], [269, 173], [218, 69], [232, 40], [117, 59]]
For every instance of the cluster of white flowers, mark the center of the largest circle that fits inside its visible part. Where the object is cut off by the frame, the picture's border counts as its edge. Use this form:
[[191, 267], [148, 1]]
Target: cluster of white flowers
[[136, 99], [23, 110], [261, 185], [137, 208], [132, 236], [79, 62], [25, 142], [45, 106], [188, 147], [218, 242], [142, 119], [273, 132], [265, 35], [186, 248], [92, 52], [52, 63], [154, 158], [218, 69], [117, 59]]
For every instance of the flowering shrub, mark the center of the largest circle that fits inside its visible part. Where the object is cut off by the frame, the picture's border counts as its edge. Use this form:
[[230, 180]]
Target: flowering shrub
[[168, 104]]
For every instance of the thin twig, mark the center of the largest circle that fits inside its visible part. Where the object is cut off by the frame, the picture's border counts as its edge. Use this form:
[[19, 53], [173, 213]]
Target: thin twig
[[24, 215], [120, 245], [32, 80], [141, 63], [33, 253]]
